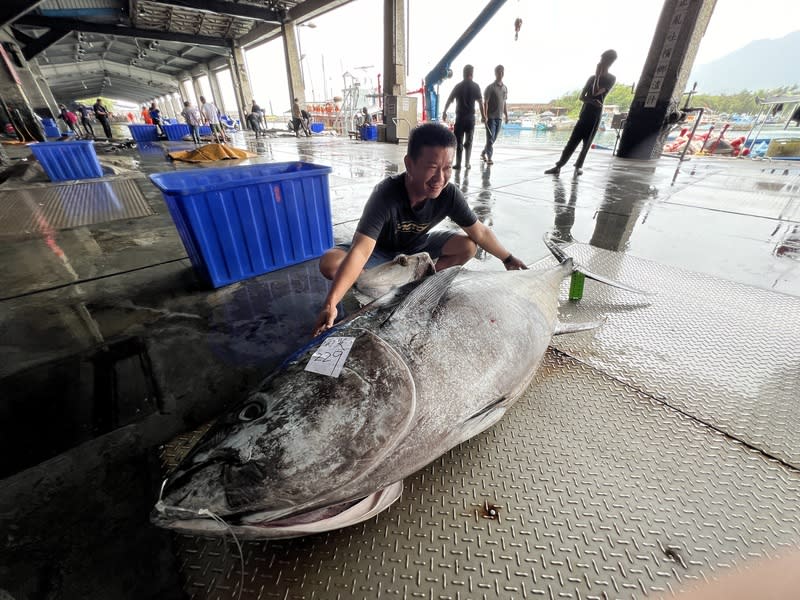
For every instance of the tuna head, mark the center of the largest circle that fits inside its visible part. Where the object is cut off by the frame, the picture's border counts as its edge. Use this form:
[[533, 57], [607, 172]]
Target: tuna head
[[295, 442], [404, 269]]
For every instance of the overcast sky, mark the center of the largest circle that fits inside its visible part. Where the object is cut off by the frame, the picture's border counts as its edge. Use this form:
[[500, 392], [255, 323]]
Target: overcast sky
[[558, 46]]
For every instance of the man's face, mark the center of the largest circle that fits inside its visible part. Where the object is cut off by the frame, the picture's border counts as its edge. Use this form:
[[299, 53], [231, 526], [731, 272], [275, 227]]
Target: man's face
[[430, 172]]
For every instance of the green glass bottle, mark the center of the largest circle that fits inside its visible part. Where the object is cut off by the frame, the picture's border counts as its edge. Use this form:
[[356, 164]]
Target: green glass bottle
[[576, 286]]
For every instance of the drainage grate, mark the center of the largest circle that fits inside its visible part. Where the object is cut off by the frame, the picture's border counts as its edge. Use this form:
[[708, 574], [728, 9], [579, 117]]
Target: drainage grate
[[63, 206]]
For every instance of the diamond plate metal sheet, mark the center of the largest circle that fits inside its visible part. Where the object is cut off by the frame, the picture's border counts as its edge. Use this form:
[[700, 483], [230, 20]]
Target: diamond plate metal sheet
[[45, 209], [725, 353], [601, 492]]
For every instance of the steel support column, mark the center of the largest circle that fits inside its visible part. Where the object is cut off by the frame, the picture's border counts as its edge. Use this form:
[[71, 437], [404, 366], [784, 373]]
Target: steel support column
[[241, 81], [216, 92], [198, 90], [394, 48], [680, 28], [43, 87], [16, 83], [294, 72]]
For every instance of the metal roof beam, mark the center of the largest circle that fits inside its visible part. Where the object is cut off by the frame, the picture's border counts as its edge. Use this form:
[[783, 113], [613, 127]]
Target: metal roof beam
[[12, 10], [120, 30], [219, 7], [107, 68], [22, 38], [43, 42]]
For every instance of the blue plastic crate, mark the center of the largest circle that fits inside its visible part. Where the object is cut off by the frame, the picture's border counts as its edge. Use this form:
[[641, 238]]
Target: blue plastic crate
[[63, 161], [144, 133], [52, 131], [176, 132], [317, 127], [204, 130], [240, 222]]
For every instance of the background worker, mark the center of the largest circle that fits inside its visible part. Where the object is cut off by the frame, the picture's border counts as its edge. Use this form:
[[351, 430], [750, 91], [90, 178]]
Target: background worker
[[210, 115], [592, 96], [495, 97], [466, 93], [101, 114]]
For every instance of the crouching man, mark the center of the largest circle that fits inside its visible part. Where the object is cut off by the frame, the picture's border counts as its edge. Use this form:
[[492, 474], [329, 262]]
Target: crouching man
[[399, 215]]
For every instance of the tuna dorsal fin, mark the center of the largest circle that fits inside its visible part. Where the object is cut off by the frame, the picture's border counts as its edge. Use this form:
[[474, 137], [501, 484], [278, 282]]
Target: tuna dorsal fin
[[426, 296]]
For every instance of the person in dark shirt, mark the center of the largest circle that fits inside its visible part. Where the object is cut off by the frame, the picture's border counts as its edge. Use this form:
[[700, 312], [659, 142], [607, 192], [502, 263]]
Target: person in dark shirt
[[466, 93], [592, 96], [101, 114], [399, 216], [495, 106], [155, 116]]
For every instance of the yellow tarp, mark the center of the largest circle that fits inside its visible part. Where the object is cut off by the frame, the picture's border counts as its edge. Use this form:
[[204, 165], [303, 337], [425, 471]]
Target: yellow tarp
[[210, 153]]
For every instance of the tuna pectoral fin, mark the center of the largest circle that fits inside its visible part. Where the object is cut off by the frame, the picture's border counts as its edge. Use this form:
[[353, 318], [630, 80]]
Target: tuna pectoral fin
[[425, 298], [483, 419], [562, 328]]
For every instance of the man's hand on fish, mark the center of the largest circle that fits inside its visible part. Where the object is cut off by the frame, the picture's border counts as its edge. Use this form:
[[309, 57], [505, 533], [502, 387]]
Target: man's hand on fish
[[325, 319], [512, 263]]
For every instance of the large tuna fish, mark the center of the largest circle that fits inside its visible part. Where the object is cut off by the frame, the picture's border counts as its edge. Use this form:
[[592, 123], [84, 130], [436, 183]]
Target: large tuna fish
[[412, 375]]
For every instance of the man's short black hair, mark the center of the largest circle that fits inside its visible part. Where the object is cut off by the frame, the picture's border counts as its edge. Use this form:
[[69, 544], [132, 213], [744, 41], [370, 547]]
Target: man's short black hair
[[429, 134], [469, 70]]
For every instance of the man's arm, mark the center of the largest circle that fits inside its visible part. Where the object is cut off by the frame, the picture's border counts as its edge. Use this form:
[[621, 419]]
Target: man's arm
[[481, 106], [505, 104], [486, 239], [596, 82], [345, 277], [588, 93], [447, 104]]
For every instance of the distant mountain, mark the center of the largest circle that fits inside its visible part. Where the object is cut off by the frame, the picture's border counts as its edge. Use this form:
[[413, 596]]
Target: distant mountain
[[760, 65]]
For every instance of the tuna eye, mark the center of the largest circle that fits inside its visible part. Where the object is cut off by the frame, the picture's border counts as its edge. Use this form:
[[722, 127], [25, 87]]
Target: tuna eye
[[251, 411]]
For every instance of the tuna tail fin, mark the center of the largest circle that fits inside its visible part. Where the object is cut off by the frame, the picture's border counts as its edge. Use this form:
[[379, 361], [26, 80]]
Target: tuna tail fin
[[563, 258]]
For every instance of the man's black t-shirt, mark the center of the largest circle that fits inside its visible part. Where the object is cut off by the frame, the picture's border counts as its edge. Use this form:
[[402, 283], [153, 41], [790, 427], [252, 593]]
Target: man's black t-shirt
[[389, 219], [466, 93], [589, 109]]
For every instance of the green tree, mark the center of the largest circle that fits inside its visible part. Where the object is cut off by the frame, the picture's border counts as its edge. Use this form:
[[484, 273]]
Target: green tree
[[742, 102]]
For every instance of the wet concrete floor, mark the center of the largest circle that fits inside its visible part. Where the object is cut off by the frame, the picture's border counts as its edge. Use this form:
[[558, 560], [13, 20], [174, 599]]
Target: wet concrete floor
[[112, 346]]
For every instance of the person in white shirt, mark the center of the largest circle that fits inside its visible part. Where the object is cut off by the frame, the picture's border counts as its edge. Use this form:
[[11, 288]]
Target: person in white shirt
[[193, 120], [211, 117]]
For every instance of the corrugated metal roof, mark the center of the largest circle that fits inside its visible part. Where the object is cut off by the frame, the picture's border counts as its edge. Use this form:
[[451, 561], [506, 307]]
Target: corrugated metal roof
[[99, 32]]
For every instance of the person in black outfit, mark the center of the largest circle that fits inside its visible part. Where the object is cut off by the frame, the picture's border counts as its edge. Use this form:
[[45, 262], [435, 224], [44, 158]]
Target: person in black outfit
[[101, 113], [466, 93], [592, 96], [399, 216]]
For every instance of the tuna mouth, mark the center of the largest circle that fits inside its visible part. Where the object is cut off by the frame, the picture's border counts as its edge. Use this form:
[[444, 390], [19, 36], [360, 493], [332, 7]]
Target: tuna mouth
[[258, 525]]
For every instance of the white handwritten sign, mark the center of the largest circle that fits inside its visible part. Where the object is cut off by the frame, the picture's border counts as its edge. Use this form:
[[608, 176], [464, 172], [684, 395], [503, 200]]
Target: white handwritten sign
[[330, 356]]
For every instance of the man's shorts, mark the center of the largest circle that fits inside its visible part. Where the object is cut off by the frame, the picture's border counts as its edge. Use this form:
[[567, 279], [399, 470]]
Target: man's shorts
[[431, 243]]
